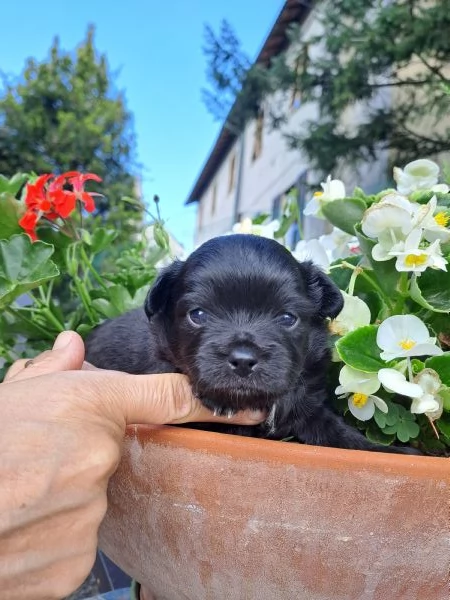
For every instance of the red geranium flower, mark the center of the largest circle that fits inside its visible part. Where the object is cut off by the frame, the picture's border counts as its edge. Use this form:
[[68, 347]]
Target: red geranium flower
[[29, 222], [48, 198], [77, 181]]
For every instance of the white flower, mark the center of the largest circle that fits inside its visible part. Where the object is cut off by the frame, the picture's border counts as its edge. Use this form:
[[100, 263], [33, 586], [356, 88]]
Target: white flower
[[355, 313], [405, 335], [247, 226], [314, 251], [338, 243], [429, 402], [361, 387], [424, 390], [434, 222], [414, 258], [332, 189], [420, 174], [394, 381], [388, 241], [441, 188], [393, 212]]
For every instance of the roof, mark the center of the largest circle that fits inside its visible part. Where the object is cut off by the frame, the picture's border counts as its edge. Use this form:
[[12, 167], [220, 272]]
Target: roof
[[293, 11]]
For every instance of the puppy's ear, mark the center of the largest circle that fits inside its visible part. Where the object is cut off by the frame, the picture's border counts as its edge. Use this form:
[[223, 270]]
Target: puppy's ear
[[322, 290], [160, 294]]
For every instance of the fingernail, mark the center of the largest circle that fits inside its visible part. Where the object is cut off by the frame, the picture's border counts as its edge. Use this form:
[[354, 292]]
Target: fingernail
[[257, 415], [63, 340]]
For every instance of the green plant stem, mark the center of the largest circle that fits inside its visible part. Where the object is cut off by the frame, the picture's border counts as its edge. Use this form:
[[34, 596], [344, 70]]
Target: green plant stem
[[43, 305], [410, 373], [351, 285], [88, 262], [50, 290], [84, 296], [403, 289], [369, 279], [20, 316], [4, 353]]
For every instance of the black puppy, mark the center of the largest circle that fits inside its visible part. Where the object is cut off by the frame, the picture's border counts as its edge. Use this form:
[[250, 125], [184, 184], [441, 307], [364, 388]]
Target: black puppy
[[246, 323]]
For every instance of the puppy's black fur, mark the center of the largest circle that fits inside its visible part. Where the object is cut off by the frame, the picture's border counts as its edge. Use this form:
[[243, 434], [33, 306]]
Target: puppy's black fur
[[243, 349]]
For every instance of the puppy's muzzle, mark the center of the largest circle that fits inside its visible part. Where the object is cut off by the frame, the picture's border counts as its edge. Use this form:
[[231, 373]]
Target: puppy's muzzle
[[242, 360]]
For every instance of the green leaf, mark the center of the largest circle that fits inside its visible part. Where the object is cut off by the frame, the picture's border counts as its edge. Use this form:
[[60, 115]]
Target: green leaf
[[444, 393], [101, 239], [359, 349], [23, 266], [11, 211], [380, 418], [407, 430], [432, 290], [389, 429], [443, 425], [392, 416], [345, 213], [260, 219], [417, 366], [424, 196], [440, 364], [385, 272], [116, 301], [286, 222], [375, 435], [13, 185], [359, 193]]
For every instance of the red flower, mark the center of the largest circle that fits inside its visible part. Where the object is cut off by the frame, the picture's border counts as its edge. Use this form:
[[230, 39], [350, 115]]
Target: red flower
[[77, 181], [29, 222], [64, 202], [47, 197]]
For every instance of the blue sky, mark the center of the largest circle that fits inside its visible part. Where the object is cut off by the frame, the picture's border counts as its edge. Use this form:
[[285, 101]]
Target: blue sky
[[156, 46]]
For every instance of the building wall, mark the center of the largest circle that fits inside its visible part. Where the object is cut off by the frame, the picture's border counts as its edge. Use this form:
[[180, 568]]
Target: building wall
[[277, 168]]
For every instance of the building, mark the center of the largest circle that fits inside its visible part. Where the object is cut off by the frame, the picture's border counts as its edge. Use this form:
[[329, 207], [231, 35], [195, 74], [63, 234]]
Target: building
[[248, 173]]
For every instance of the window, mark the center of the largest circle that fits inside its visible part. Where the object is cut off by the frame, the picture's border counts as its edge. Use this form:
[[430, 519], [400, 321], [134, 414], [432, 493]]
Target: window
[[214, 199], [258, 139], [231, 172], [300, 66]]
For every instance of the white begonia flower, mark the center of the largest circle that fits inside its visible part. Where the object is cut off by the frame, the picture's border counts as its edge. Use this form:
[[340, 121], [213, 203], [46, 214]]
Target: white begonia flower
[[429, 402], [403, 336], [395, 382], [393, 212], [355, 313], [433, 221], [338, 243], [314, 251], [388, 241], [332, 189], [424, 390], [361, 388], [413, 258], [266, 230], [441, 188], [420, 174]]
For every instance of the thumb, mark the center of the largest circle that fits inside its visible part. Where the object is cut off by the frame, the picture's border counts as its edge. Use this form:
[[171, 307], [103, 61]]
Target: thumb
[[67, 354], [155, 400]]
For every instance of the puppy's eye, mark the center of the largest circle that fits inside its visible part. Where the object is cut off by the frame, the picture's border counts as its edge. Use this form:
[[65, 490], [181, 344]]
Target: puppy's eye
[[197, 316], [287, 320]]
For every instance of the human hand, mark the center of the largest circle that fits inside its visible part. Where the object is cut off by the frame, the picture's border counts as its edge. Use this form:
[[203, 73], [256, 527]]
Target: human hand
[[61, 432]]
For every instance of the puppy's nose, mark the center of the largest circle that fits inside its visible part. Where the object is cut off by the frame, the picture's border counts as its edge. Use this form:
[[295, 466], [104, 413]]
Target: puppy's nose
[[242, 360]]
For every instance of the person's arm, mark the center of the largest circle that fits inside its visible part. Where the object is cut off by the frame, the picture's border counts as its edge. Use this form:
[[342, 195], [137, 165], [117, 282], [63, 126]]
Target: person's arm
[[61, 430]]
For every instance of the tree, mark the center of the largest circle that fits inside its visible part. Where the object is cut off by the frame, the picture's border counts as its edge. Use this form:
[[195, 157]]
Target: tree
[[64, 114], [401, 48], [235, 85]]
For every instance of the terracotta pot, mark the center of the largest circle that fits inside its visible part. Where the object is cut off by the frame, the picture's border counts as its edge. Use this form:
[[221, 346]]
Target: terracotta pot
[[203, 516]]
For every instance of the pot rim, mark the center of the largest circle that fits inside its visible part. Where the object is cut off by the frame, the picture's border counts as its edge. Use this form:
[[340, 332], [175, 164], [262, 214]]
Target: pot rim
[[263, 450]]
